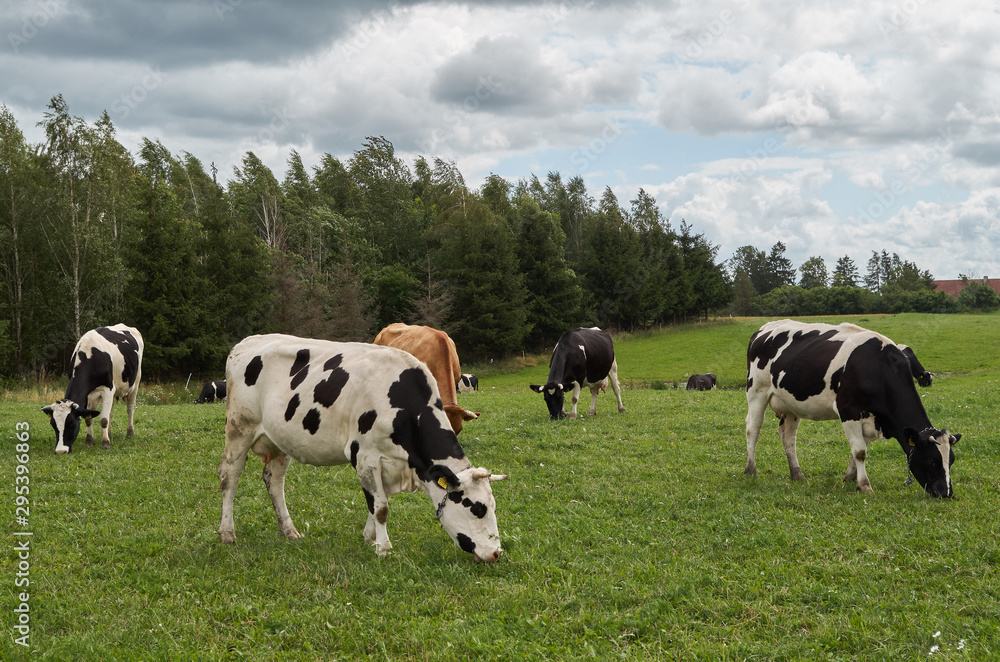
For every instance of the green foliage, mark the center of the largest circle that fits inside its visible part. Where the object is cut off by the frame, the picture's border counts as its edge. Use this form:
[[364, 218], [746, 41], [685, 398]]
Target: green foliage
[[980, 297]]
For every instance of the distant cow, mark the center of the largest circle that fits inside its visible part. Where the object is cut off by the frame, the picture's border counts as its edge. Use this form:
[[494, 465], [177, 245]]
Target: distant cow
[[704, 382], [212, 391], [107, 362], [468, 383], [437, 350], [326, 403], [581, 358], [923, 377], [850, 374]]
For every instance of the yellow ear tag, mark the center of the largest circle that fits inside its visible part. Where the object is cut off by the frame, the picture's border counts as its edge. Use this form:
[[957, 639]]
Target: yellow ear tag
[[443, 483], [912, 443]]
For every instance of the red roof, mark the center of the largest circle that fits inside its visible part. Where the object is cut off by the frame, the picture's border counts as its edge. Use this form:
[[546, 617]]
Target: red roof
[[953, 287]]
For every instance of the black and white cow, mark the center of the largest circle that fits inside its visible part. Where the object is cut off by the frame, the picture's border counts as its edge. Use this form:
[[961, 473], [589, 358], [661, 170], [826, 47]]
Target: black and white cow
[[923, 377], [107, 362], [704, 382], [850, 374], [468, 383], [581, 358], [212, 391], [378, 408]]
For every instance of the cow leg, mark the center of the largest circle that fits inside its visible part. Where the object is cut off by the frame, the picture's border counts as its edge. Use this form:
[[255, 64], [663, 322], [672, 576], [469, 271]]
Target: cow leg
[[234, 458], [370, 475], [615, 386], [575, 398], [594, 390], [787, 429], [756, 407], [107, 402], [130, 399], [274, 472], [855, 431]]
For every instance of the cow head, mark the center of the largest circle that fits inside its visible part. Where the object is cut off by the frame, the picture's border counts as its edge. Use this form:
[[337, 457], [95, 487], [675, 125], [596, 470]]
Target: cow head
[[457, 415], [930, 456], [467, 510], [555, 397], [65, 419]]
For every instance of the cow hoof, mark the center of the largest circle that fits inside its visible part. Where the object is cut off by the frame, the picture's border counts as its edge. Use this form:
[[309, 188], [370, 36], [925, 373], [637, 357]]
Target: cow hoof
[[865, 488], [292, 534], [797, 475], [90, 440], [227, 537], [130, 433], [106, 445], [621, 410], [383, 550]]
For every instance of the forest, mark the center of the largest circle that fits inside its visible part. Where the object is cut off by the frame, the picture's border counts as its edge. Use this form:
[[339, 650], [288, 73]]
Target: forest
[[91, 234]]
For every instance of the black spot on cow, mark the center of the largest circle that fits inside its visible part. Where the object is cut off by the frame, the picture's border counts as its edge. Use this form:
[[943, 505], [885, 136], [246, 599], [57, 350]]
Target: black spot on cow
[[311, 421], [252, 372], [355, 447], [328, 390], [293, 404], [804, 363], [456, 496], [476, 508], [300, 368], [764, 347], [366, 421], [129, 348], [410, 391], [466, 544], [370, 500]]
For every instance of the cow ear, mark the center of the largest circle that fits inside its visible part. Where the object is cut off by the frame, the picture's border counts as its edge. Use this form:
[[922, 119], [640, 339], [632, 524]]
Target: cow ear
[[911, 436], [85, 413], [536, 387], [48, 410], [560, 387], [955, 438]]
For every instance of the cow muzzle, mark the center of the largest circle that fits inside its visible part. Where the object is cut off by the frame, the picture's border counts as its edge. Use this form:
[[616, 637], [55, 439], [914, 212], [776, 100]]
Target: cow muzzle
[[490, 558], [940, 490], [60, 449]]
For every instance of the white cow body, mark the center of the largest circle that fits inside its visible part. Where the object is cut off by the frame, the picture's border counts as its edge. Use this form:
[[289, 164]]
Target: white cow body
[[378, 408]]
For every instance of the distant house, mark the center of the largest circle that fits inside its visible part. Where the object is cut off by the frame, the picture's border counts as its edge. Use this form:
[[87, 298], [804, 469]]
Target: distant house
[[953, 287]]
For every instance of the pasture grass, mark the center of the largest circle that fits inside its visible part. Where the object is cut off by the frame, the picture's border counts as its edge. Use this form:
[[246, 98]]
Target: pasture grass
[[627, 536]]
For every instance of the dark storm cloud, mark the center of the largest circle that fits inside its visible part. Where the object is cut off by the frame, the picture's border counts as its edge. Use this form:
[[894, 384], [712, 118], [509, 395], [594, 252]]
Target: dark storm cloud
[[502, 74], [178, 34]]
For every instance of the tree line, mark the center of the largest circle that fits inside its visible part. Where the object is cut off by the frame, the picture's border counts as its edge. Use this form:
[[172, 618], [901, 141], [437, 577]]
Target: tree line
[[767, 284], [91, 234]]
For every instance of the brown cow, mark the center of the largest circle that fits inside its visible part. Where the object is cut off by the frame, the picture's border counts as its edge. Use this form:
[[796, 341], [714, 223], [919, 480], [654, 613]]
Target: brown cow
[[437, 350]]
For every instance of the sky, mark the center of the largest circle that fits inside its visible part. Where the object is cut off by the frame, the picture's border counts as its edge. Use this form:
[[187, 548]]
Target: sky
[[838, 128]]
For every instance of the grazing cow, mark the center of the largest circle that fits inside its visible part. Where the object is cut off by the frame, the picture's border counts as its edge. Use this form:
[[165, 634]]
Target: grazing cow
[[437, 350], [326, 403], [923, 377], [850, 374], [468, 383], [581, 358], [212, 391], [704, 382], [107, 361]]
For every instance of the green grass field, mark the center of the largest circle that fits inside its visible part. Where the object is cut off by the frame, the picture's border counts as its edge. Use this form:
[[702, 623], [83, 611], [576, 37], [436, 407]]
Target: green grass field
[[627, 536]]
